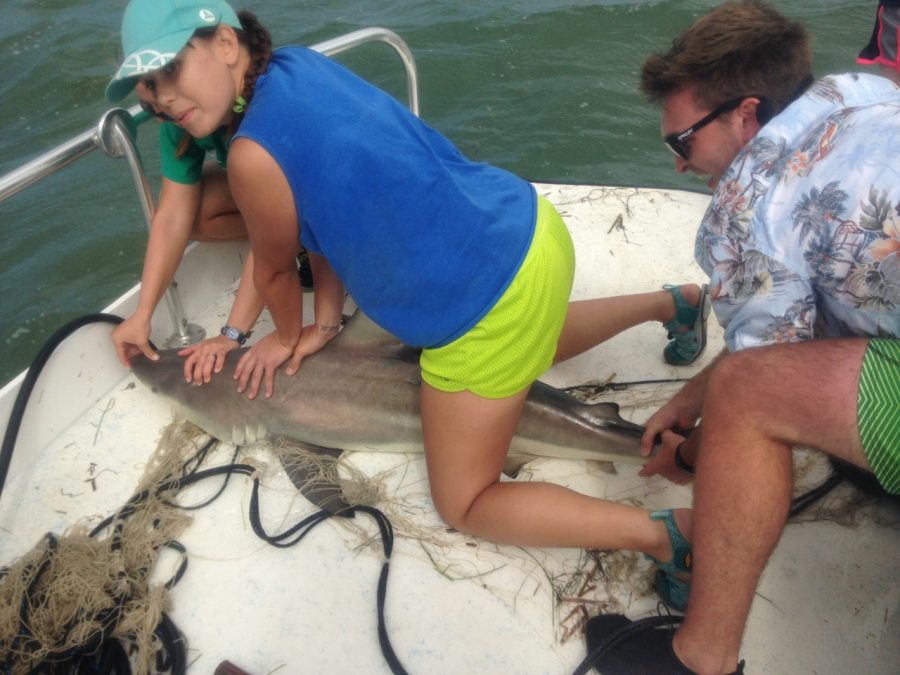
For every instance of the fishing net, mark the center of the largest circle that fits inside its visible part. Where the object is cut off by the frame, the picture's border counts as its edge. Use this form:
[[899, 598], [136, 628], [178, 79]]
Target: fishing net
[[71, 593], [64, 602]]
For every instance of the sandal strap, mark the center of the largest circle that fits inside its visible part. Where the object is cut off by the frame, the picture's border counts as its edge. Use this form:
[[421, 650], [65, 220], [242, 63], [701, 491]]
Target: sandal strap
[[685, 313], [682, 556], [687, 330]]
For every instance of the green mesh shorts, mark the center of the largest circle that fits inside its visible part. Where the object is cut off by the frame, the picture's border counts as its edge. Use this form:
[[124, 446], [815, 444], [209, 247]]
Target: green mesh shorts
[[878, 411], [516, 340]]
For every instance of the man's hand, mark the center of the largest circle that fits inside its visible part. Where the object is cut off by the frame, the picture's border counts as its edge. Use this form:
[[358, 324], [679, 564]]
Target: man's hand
[[664, 462], [681, 412]]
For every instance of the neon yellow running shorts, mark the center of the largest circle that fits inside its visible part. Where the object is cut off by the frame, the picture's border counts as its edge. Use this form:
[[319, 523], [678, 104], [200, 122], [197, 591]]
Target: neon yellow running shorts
[[516, 340], [878, 411]]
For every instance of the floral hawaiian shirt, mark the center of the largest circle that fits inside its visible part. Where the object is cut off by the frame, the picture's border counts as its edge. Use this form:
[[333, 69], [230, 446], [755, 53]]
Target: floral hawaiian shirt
[[802, 237]]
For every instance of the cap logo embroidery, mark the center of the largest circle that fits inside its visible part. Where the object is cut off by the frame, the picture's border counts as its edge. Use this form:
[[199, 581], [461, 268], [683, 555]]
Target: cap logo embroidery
[[207, 16], [143, 62]]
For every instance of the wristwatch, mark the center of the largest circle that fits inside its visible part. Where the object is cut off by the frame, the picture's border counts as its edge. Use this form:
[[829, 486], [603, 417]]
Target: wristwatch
[[234, 334]]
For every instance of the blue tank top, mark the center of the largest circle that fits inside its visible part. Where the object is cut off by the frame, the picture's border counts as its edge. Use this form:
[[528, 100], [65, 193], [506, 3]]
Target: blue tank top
[[425, 240]]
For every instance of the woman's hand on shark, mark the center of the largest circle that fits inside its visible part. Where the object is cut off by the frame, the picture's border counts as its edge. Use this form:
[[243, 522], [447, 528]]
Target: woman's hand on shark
[[131, 338], [259, 364], [312, 339], [206, 358]]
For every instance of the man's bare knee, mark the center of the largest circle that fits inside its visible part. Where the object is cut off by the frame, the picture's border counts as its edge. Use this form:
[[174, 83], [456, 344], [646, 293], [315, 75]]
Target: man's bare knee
[[737, 385]]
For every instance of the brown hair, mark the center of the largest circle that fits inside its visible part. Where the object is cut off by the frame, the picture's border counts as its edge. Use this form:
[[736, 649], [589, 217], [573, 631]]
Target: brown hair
[[740, 48], [258, 41]]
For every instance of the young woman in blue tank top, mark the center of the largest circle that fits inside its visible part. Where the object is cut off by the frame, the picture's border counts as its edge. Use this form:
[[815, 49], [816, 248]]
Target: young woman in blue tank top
[[459, 258]]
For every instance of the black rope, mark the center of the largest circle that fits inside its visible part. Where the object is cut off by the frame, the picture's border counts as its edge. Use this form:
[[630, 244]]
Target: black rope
[[297, 532], [31, 377], [810, 497], [222, 487]]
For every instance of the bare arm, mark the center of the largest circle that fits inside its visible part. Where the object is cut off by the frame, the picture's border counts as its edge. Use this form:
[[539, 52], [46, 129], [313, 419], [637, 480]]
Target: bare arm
[[208, 357], [329, 306], [169, 232], [264, 198]]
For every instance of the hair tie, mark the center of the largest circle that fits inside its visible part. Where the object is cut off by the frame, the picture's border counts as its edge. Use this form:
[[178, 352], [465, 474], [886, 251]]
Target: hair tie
[[240, 104]]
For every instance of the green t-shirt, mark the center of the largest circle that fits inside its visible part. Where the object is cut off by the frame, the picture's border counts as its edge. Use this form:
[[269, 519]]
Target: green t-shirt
[[188, 168]]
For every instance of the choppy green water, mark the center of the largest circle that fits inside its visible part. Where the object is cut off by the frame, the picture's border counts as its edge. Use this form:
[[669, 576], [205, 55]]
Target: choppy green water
[[545, 89]]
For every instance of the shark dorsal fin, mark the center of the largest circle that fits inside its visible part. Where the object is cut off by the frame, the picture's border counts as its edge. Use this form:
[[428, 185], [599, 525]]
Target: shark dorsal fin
[[361, 333]]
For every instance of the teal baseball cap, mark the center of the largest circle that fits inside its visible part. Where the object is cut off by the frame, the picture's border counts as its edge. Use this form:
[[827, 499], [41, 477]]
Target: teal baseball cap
[[154, 31]]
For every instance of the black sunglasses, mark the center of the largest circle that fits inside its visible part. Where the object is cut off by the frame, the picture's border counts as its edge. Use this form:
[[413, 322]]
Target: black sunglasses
[[150, 110], [677, 142]]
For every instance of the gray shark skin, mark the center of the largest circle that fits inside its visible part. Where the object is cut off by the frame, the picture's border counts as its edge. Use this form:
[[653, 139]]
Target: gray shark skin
[[361, 392]]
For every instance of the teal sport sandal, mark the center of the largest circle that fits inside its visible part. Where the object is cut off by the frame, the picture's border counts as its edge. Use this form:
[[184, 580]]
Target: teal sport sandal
[[687, 331], [673, 591]]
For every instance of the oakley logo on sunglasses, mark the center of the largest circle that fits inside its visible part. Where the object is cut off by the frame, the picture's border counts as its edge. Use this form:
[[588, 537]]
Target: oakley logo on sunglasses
[[677, 142]]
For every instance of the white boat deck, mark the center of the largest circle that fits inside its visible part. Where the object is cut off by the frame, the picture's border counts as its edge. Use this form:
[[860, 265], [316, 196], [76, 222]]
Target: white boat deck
[[829, 602]]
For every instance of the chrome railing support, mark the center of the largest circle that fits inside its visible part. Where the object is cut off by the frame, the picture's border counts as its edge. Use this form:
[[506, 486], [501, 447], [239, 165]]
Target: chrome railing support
[[114, 136], [84, 143]]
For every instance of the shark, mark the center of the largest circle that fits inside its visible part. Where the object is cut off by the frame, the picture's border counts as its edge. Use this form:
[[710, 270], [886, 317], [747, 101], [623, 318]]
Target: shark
[[361, 393]]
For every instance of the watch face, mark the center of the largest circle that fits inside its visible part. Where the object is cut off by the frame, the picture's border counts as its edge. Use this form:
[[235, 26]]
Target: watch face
[[233, 334]]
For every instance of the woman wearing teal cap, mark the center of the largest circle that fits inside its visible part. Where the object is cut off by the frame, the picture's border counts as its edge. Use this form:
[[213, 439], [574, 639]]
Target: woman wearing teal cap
[[195, 201], [461, 259]]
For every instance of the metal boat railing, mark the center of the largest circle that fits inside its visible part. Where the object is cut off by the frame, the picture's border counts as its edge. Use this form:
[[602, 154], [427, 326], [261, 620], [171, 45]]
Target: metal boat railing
[[114, 134]]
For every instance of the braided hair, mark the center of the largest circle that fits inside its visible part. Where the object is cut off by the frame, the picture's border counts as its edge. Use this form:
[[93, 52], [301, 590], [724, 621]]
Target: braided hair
[[259, 43]]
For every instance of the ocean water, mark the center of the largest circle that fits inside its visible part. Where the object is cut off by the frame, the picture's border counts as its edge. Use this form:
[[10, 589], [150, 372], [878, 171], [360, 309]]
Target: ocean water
[[545, 89]]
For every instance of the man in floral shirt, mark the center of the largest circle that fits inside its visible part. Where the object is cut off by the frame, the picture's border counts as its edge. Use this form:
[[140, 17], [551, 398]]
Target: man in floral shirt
[[802, 239], [802, 245]]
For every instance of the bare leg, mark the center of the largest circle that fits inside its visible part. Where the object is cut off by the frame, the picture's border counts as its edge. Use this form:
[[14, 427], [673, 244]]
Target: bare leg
[[758, 404], [590, 322], [218, 217], [466, 441]]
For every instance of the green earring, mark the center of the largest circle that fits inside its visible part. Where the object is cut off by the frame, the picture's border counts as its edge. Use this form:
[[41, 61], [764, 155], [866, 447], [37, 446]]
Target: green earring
[[240, 104]]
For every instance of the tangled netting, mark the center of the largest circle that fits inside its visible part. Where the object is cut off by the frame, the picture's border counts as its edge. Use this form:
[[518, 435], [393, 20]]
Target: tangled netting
[[84, 601]]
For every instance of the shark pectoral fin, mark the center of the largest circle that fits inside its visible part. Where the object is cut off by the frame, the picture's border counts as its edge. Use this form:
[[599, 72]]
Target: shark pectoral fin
[[312, 469]]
